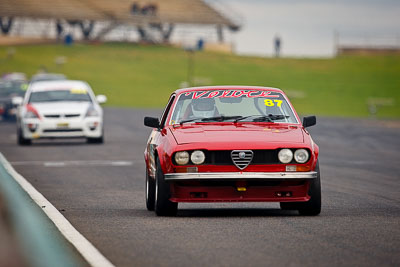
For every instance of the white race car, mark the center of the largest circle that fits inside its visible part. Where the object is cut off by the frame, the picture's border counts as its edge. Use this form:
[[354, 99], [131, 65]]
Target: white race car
[[60, 109]]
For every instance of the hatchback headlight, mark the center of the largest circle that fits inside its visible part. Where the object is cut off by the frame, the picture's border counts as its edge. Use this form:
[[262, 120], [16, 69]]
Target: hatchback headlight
[[92, 112], [31, 115], [285, 155], [197, 157], [301, 155], [182, 157]]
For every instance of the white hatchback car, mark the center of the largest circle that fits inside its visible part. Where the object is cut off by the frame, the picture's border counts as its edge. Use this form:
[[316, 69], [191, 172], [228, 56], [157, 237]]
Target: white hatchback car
[[60, 109]]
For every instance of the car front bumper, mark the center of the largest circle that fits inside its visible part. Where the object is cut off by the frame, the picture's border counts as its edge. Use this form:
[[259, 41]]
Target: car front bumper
[[241, 176], [55, 128], [240, 186]]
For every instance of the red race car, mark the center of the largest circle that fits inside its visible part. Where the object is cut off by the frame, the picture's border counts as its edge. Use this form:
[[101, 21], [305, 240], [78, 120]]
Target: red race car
[[231, 144]]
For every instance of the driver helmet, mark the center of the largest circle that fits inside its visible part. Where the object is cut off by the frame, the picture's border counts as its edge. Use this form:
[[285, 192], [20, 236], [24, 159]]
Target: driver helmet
[[203, 107]]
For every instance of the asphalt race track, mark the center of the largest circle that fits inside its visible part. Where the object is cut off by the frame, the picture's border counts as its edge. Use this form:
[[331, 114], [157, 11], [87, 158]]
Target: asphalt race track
[[100, 190]]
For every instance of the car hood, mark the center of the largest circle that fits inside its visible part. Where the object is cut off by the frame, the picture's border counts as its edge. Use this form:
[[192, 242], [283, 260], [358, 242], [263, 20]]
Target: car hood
[[238, 133], [61, 107]]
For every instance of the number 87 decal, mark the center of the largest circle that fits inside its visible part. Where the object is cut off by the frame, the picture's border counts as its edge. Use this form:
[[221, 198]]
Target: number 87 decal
[[270, 102]]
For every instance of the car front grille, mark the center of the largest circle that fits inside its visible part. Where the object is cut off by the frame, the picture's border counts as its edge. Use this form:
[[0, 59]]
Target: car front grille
[[52, 116], [71, 115], [223, 157], [242, 158], [55, 116]]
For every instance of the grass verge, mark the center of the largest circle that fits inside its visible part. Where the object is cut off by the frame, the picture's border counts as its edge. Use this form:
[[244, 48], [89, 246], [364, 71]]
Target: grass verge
[[144, 76]]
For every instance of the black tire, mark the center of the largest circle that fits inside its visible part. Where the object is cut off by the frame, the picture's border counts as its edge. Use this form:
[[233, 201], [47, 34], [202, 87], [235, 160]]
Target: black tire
[[311, 207], [163, 206], [150, 192], [99, 140], [289, 205], [21, 140]]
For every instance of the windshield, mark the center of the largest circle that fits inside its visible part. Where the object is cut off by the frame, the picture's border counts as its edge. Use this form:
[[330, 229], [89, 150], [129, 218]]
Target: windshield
[[232, 105], [75, 95], [14, 88]]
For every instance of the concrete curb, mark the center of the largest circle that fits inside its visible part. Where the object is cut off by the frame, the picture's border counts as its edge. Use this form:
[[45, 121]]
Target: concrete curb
[[43, 249]]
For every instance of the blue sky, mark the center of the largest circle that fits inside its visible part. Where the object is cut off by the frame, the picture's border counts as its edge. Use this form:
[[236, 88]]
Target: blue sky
[[307, 27]]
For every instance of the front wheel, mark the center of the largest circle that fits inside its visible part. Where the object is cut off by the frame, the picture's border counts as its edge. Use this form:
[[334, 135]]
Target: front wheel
[[96, 140], [163, 206], [311, 207], [21, 140], [150, 192]]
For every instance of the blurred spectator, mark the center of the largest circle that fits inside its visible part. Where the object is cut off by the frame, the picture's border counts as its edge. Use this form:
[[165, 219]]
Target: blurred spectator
[[200, 44], [68, 40], [150, 9], [135, 8], [277, 44], [59, 29]]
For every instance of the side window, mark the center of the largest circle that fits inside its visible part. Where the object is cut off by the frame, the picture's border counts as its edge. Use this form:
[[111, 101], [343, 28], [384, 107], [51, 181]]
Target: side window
[[166, 111]]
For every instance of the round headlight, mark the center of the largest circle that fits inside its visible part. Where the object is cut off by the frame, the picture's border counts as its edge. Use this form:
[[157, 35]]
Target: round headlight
[[301, 155], [197, 157], [285, 155], [30, 115], [182, 157]]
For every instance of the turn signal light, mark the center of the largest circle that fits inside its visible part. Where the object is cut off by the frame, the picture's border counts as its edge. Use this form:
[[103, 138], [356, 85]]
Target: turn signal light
[[295, 168], [303, 168]]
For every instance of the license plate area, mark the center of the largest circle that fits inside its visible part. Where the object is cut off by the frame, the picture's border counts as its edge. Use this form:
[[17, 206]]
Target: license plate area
[[62, 125]]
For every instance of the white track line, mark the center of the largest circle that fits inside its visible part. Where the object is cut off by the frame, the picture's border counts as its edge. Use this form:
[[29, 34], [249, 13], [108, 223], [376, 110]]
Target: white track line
[[84, 247], [74, 163]]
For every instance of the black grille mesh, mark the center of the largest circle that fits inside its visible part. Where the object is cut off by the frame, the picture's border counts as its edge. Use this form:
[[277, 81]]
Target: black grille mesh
[[223, 157]]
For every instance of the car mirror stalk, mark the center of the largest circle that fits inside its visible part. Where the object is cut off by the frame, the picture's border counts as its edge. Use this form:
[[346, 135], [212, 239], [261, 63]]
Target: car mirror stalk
[[152, 122], [309, 121]]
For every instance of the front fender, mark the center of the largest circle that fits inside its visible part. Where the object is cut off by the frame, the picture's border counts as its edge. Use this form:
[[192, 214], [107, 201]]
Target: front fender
[[159, 145], [316, 154]]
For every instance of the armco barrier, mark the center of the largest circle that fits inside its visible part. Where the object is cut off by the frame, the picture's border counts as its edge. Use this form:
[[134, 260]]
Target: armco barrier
[[41, 242]]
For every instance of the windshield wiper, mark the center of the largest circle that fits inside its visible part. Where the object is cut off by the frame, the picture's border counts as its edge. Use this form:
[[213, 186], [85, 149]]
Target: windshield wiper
[[189, 120], [221, 118], [217, 118], [245, 117], [262, 118], [270, 118]]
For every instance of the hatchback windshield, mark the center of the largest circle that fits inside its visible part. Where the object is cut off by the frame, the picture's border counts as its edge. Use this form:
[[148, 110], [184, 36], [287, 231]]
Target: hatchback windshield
[[232, 105], [14, 88], [60, 95]]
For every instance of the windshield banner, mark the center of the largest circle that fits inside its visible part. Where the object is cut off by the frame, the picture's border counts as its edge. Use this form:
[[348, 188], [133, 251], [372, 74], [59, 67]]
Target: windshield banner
[[230, 93]]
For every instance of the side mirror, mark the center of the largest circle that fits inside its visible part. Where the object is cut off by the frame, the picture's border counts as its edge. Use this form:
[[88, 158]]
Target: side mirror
[[17, 101], [152, 122], [309, 121], [101, 99]]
